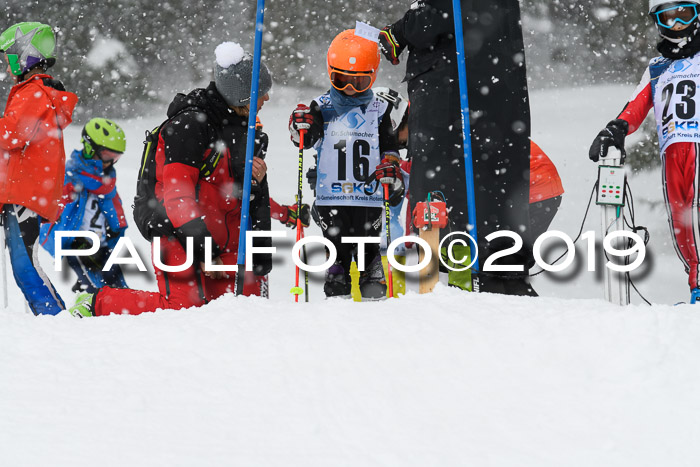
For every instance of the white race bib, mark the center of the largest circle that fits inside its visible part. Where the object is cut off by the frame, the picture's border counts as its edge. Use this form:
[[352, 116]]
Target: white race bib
[[93, 218], [348, 154], [677, 101]]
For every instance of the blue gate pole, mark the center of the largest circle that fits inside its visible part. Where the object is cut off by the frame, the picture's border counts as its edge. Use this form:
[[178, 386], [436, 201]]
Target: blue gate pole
[[466, 128], [250, 146]]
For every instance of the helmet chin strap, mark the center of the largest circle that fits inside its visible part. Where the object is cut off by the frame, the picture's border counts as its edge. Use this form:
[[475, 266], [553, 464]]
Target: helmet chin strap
[[682, 41]]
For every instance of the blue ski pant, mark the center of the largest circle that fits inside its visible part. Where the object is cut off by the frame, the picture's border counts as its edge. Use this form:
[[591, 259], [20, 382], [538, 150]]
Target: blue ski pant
[[90, 275], [22, 236]]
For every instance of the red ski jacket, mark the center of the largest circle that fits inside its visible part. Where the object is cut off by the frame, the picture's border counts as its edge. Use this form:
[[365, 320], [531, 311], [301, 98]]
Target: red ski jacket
[[544, 178], [32, 156]]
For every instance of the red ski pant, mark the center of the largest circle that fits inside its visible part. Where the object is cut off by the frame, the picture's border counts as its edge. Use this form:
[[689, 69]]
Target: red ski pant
[[176, 290], [681, 179]]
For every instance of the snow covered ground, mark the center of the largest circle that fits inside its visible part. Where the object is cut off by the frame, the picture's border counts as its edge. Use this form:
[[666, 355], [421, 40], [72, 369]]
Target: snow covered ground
[[443, 379]]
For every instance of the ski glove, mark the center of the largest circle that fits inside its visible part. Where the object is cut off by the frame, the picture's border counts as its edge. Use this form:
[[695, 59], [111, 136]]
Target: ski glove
[[312, 176], [94, 262], [388, 172], [262, 141], [391, 48], [612, 135], [301, 119], [305, 216], [198, 231]]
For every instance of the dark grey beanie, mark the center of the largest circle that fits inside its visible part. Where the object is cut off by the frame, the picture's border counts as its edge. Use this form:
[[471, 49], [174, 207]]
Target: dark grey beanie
[[234, 78]]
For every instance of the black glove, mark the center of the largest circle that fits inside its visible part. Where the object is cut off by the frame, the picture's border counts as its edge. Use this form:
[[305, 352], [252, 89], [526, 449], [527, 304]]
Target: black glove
[[613, 135], [197, 229], [261, 143], [312, 177], [94, 262], [292, 216], [112, 235], [81, 243], [390, 45]]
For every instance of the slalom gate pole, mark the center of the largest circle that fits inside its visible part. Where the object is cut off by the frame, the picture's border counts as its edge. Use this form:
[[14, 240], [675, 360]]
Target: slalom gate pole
[[466, 137], [3, 265], [250, 147], [387, 221], [296, 290]]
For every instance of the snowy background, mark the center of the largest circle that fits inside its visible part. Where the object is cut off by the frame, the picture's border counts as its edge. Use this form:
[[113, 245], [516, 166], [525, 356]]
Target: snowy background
[[445, 379]]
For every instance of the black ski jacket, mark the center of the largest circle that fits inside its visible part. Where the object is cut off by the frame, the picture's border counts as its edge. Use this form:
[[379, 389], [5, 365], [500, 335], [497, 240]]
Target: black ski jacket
[[499, 111], [200, 167]]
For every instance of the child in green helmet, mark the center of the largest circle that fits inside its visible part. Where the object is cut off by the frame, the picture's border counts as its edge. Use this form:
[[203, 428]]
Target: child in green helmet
[[92, 204]]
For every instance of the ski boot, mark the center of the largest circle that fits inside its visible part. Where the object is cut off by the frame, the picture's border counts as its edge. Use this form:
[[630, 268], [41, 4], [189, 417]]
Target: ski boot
[[84, 306], [694, 295], [459, 279], [337, 282], [372, 281], [520, 286], [506, 285]]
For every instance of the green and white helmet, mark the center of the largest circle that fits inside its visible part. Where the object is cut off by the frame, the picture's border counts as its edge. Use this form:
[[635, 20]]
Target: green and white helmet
[[102, 137], [28, 45]]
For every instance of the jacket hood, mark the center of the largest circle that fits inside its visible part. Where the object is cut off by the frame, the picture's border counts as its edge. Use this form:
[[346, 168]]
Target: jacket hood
[[64, 102], [208, 99]]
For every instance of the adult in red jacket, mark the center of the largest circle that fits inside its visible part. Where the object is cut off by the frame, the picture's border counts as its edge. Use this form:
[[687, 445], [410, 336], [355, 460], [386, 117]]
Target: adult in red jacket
[[32, 158], [200, 162]]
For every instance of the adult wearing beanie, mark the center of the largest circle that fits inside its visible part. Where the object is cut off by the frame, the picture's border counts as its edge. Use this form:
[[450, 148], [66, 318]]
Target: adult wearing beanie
[[200, 161]]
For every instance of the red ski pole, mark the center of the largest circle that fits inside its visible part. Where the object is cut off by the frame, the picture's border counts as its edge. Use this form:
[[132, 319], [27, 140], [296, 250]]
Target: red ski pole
[[296, 290], [387, 219]]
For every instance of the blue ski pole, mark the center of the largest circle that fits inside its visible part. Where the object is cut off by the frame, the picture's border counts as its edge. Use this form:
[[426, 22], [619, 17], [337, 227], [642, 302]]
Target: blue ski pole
[[250, 146], [466, 136]]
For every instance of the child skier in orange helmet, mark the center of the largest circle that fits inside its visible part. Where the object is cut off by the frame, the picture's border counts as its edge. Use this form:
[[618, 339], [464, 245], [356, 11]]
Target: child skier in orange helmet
[[350, 129]]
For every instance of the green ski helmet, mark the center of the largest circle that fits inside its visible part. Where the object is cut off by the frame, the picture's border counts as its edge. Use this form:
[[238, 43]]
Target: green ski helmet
[[28, 45], [103, 138]]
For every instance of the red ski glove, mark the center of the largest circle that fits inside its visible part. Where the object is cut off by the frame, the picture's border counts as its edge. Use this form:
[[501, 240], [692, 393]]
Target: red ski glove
[[389, 173], [301, 119]]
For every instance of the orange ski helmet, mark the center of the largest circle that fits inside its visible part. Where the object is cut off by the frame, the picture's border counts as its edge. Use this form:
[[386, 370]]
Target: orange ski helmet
[[352, 61]]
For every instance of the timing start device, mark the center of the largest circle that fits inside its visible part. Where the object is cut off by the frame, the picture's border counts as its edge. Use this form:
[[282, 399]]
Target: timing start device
[[427, 215], [611, 185]]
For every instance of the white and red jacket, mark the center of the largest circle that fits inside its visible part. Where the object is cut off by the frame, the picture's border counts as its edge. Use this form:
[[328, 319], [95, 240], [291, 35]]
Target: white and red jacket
[[670, 87]]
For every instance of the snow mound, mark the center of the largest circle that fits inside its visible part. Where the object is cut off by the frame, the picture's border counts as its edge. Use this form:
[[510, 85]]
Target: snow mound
[[444, 379]]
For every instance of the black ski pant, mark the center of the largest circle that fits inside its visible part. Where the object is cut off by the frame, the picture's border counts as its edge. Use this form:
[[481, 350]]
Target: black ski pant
[[350, 221]]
